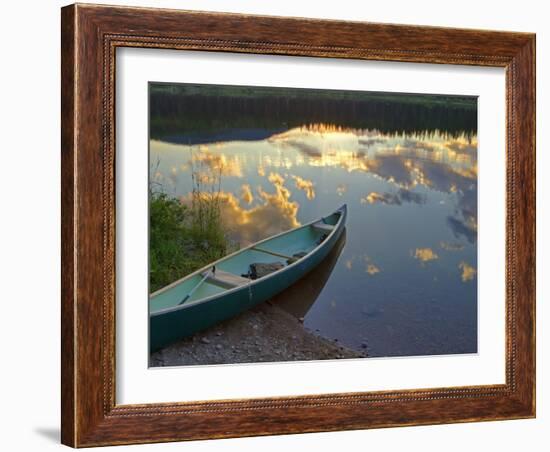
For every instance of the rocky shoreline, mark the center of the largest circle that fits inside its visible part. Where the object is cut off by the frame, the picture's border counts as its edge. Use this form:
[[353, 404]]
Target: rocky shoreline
[[265, 333]]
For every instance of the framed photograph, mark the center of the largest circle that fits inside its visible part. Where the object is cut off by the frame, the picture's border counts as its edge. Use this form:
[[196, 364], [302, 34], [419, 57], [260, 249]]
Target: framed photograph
[[282, 225]]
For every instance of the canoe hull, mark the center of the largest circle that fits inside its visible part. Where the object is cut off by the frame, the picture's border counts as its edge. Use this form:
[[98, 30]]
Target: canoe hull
[[168, 327]]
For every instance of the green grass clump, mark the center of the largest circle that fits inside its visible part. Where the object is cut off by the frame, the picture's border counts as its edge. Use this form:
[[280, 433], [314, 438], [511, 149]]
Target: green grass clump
[[181, 238]]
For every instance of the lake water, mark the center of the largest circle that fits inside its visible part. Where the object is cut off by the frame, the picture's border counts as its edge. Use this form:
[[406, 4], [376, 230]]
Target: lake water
[[403, 281]]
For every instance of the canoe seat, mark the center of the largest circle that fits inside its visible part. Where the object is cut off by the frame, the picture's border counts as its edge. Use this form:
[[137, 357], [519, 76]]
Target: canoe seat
[[320, 226], [226, 280]]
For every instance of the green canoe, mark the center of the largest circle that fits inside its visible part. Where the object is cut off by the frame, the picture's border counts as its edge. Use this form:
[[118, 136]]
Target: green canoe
[[227, 287]]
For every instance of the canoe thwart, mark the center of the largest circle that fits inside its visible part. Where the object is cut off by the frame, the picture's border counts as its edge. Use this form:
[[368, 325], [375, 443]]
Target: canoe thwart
[[273, 253], [320, 226], [226, 280]]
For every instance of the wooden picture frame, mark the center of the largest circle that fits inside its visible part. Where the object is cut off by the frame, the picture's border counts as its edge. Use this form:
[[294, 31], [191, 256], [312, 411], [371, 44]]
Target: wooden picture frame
[[90, 36]]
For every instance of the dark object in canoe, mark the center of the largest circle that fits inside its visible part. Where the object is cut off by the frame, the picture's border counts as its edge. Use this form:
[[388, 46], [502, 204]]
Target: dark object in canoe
[[296, 256], [259, 270]]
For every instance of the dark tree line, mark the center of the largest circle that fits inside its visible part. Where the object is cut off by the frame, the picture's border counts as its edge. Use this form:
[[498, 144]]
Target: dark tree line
[[181, 114]]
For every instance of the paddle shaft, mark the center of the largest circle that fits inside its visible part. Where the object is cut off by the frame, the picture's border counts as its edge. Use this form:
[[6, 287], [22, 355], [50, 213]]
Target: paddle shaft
[[196, 287]]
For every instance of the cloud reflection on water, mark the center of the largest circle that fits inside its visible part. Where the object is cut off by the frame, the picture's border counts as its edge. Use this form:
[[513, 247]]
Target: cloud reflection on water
[[402, 195], [306, 185], [246, 194], [274, 213], [436, 161], [468, 272], [414, 167], [425, 254]]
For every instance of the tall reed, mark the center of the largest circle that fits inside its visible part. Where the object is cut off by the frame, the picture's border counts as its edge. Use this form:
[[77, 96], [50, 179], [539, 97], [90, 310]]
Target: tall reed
[[206, 202]]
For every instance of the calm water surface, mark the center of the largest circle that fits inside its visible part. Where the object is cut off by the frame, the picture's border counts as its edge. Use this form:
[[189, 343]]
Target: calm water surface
[[405, 281]]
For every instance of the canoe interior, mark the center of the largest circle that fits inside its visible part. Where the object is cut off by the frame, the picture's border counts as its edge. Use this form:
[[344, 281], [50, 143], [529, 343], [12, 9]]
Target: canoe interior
[[301, 240], [175, 294], [332, 219]]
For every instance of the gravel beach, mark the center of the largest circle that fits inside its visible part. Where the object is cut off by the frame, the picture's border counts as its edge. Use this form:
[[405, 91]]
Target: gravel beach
[[265, 333]]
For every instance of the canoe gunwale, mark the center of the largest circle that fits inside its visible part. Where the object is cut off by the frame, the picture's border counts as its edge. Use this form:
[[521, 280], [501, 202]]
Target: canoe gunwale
[[337, 227]]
